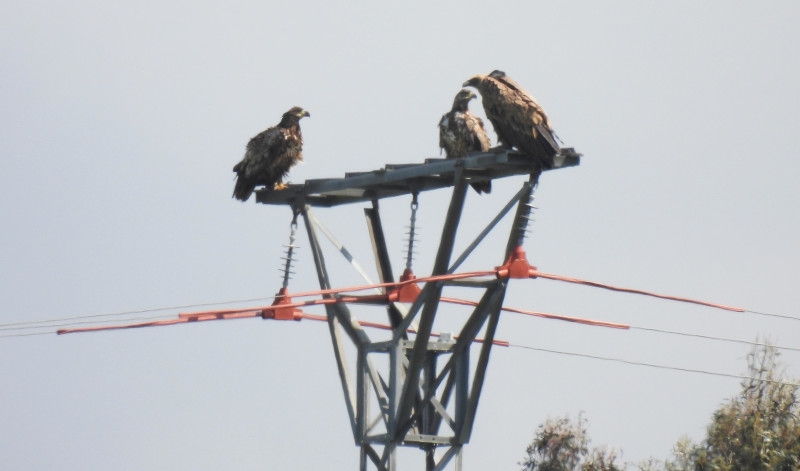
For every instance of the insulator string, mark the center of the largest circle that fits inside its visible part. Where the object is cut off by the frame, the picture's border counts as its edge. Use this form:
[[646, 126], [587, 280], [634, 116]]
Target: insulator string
[[412, 232], [289, 258]]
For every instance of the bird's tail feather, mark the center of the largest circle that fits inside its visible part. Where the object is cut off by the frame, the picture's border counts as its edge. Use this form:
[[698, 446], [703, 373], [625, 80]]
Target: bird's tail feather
[[482, 187], [243, 189], [548, 136]]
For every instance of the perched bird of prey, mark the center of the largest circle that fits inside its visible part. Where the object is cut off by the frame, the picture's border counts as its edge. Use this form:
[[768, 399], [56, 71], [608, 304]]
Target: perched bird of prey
[[516, 117], [270, 155], [461, 133]]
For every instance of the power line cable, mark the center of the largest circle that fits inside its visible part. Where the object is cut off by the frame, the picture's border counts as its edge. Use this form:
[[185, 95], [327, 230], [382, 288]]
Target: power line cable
[[266, 298], [581, 355], [559, 352], [27, 334], [380, 285], [136, 311], [595, 284], [651, 365], [517, 311], [43, 325], [779, 316], [630, 327], [712, 337]]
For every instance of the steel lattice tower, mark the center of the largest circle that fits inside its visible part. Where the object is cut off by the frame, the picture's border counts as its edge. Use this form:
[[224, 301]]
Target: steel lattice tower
[[422, 391]]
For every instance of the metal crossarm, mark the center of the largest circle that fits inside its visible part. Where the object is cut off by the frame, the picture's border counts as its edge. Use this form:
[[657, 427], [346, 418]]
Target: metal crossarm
[[396, 180]]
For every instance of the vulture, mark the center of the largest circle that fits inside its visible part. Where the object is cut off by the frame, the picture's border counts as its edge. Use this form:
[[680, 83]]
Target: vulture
[[270, 155], [516, 117], [461, 133]]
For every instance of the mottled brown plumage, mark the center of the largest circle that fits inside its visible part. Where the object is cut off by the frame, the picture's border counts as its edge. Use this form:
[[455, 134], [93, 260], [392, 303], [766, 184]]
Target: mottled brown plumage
[[516, 117], [461, 133], [270, 155]]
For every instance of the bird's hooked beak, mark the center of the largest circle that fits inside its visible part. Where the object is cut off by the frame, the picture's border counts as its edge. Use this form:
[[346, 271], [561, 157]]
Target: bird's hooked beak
[[471, 96], [473, 81], [303, 114]]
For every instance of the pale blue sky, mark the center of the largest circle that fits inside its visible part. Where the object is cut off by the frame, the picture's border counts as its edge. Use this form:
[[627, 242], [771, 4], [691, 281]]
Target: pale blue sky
[[119, 125]]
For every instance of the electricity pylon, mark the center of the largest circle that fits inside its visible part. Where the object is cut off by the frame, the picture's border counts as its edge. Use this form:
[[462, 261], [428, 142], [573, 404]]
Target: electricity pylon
[[417, 389]]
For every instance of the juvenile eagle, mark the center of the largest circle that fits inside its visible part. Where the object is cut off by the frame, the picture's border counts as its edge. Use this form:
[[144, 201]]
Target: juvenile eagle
[[270, 155], [518, 120], [461, 132]]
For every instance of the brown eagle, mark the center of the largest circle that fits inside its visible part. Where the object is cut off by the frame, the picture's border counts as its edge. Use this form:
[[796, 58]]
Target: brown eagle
[[461, 133], [270, 155], [516, 117]]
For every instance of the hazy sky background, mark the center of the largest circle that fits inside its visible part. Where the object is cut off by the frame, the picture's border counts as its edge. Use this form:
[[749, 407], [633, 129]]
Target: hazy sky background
[[119, 125]]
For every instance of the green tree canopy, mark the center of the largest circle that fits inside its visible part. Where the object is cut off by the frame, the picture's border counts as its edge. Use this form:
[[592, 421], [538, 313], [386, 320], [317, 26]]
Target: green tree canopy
[[563, 445], [757, 430]]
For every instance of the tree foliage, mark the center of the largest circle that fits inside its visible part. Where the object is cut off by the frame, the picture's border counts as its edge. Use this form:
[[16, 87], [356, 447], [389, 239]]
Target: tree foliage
[[562, 444], [757, 430]]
